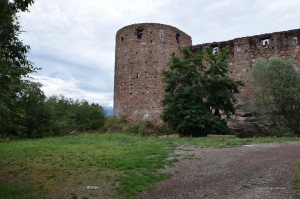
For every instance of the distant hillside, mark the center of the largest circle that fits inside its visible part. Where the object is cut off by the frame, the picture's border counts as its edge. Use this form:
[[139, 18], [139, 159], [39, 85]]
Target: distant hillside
[[108, 110]]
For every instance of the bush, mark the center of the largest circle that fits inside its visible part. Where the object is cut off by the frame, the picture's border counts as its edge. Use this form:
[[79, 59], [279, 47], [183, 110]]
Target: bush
[[276, 89], [121, 125], [67, 115], [198, 93]]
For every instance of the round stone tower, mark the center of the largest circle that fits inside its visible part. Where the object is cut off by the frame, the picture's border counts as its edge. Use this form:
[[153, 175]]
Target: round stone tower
[[142, 52]]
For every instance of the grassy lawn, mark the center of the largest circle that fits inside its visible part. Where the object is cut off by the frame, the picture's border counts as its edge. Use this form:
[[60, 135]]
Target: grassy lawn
[[113, 165]]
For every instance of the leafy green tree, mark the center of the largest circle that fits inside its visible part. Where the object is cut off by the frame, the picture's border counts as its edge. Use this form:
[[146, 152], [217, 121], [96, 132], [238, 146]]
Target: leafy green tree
[[59, 108], [13, 65], [198, 92], [276, 88], [36, 116], [67, 115], [88, 116]]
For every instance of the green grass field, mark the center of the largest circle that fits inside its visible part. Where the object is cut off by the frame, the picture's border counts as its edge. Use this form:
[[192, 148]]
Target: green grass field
[[121, 165]]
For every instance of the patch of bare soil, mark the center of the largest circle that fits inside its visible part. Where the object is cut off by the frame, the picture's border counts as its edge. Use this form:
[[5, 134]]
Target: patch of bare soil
[[247, 172], [94, 189]]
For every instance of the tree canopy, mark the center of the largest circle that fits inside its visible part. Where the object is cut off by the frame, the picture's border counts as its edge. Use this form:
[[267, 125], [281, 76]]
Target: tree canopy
[[14, 65], [276, 88], [24, 109], [199, 94]]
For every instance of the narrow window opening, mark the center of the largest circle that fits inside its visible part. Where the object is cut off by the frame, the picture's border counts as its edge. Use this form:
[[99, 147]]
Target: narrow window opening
[[137, 75], [161, 33], [130, 93], [139, 32], [266, 43], [295, 40], [177, 37], [122, 39], [215, 50], [150, 41]]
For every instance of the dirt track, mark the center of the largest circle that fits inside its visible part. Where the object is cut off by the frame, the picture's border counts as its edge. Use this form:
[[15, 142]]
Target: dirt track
[[256, 171]]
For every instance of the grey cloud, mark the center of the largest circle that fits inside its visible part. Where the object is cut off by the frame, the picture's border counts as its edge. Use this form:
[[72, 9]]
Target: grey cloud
[[73, 41]]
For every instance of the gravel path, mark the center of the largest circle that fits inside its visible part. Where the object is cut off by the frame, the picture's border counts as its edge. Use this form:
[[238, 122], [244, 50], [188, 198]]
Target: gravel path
[[251, 171]]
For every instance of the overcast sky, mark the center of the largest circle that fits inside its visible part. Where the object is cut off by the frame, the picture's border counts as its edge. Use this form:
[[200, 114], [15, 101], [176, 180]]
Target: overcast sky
[[73, 41]]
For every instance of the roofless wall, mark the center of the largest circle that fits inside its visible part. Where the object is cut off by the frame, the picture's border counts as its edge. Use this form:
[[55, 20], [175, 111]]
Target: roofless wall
[[143, 50]]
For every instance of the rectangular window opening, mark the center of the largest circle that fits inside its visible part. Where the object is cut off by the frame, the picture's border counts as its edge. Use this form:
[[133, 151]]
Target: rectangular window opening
[[139, 32], [177, 37]]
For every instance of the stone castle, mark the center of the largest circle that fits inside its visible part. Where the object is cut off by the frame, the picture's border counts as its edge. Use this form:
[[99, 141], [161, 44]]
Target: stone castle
[[143, 51]]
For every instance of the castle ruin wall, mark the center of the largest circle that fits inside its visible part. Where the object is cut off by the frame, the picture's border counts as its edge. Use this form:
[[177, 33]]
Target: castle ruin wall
[[143, 51]]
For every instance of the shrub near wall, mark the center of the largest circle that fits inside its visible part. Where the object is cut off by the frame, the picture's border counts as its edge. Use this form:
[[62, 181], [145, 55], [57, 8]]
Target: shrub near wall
[[276, 89]]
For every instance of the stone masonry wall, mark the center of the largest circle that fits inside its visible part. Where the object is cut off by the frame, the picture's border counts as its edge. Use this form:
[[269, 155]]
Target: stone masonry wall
[[142, 52], [244, 52]]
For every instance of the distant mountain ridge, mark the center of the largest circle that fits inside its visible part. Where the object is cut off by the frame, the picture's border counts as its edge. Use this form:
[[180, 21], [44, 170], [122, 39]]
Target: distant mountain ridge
[[108, 110]]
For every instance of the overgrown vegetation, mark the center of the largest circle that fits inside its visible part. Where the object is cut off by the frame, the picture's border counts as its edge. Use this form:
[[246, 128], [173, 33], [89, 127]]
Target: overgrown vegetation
[[53, 116], [69, 116], [297, 181], [142, 128], [199, 93], [14, 65], [276, 89], [121, 165]]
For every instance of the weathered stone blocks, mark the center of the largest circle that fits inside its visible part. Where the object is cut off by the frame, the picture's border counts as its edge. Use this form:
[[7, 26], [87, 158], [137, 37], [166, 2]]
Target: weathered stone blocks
[[143, 51]]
